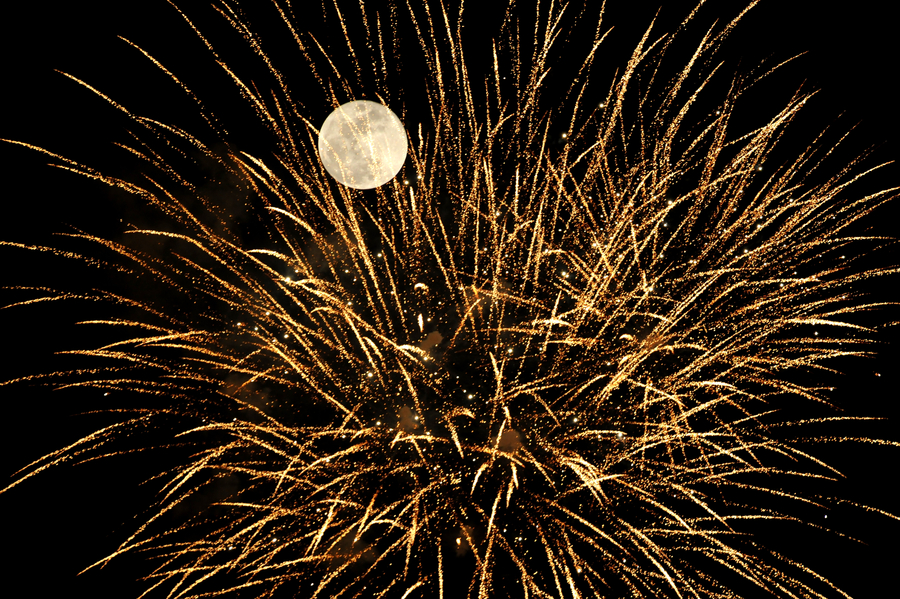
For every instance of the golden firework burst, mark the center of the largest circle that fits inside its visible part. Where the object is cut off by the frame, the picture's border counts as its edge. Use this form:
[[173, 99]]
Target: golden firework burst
[[552, 359]]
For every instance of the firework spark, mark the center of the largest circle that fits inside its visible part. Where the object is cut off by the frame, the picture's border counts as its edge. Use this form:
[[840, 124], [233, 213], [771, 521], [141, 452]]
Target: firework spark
[[551, 359]]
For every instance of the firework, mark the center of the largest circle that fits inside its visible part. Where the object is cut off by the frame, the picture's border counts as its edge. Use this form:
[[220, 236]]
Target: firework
[[552, 358]]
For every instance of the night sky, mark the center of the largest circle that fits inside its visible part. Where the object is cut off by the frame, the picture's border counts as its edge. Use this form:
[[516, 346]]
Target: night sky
[[60, 522]]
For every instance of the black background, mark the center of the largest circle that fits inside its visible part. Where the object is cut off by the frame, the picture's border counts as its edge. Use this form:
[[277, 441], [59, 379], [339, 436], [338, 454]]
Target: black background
[[59, 523]]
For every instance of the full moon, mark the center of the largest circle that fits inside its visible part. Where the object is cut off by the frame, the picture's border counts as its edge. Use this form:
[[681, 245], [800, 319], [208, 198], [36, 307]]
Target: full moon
[[362, 144]]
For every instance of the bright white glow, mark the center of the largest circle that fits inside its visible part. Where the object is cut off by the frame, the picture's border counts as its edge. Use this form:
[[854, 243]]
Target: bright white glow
[[362, 144]]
